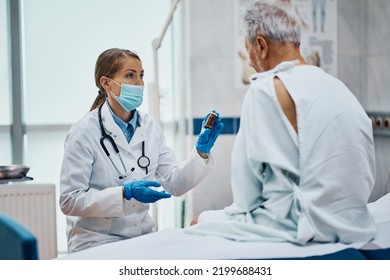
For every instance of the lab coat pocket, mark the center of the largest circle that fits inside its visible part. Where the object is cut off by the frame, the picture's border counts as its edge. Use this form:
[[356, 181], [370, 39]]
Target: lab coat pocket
[[128, 226], [102, 225]]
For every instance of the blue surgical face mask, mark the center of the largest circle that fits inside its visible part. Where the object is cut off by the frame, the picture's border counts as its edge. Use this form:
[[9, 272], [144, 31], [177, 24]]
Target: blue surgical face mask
[[130, 97]]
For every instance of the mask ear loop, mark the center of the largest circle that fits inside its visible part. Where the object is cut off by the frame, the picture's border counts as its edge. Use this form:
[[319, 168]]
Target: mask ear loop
[[116, 97], [115, 82], [112, 94]]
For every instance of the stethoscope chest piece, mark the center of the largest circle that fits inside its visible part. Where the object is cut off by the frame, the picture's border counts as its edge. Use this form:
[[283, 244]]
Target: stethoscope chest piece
[[143, 161]]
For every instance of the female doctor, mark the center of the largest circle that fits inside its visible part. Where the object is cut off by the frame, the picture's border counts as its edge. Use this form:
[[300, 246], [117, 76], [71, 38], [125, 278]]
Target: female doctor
[[115, 155]]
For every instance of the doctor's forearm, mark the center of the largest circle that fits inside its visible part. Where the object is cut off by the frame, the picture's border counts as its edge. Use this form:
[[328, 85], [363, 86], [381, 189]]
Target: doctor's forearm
[[187, 174], [94, 203]]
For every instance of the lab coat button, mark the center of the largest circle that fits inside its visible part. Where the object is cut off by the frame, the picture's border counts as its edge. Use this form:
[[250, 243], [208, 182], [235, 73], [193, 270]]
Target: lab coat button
[[135, 225]]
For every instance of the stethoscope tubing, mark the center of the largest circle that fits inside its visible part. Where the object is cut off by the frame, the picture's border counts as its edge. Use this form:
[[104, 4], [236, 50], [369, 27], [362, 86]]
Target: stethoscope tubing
[[105, 136]]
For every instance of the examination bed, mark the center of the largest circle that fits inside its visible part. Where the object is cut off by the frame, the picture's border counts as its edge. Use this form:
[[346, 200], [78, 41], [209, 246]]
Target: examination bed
[[174, 244]]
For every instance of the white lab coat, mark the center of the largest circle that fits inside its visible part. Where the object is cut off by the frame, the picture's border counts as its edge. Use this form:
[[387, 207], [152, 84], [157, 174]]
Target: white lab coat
[[299, 187], [91, 191]]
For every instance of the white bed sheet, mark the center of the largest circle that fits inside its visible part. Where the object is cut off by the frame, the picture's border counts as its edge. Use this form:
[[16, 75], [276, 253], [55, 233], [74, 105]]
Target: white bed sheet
[[174, 244]]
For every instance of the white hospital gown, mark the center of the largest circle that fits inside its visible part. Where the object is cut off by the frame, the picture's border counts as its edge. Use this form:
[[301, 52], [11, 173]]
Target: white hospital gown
[[299, 187]]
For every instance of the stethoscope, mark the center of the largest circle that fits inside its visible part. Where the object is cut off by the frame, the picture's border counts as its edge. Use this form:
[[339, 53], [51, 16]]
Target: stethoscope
[[143, 161]]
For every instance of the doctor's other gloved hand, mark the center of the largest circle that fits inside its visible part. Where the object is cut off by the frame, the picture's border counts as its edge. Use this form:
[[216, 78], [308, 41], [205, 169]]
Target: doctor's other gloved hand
[[208, 136], [140, 190]]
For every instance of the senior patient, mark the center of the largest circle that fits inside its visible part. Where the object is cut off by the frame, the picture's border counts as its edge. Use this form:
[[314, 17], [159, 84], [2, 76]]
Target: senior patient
[[303, 163]]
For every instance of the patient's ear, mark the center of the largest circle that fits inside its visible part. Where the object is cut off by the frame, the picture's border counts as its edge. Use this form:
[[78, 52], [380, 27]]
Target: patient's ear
[[262, 47]]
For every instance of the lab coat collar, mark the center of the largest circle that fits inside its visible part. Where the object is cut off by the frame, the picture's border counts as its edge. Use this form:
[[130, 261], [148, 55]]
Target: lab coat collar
[[116, 133]]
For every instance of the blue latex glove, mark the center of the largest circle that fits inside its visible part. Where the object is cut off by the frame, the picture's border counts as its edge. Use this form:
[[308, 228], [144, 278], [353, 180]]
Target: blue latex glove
[[207, 136], [140, 191]]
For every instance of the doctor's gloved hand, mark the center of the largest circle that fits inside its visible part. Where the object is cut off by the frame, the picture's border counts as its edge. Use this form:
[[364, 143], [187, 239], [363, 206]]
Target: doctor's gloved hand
[[207, 136], [140, 191]]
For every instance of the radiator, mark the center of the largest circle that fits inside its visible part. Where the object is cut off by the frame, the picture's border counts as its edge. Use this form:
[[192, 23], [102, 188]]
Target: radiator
[[33, 206]]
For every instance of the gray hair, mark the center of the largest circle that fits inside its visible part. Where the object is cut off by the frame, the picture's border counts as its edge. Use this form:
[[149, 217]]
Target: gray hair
[[276, 22]]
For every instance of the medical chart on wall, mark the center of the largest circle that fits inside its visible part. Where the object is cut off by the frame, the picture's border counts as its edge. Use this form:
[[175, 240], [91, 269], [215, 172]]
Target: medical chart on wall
[[318, 40]]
